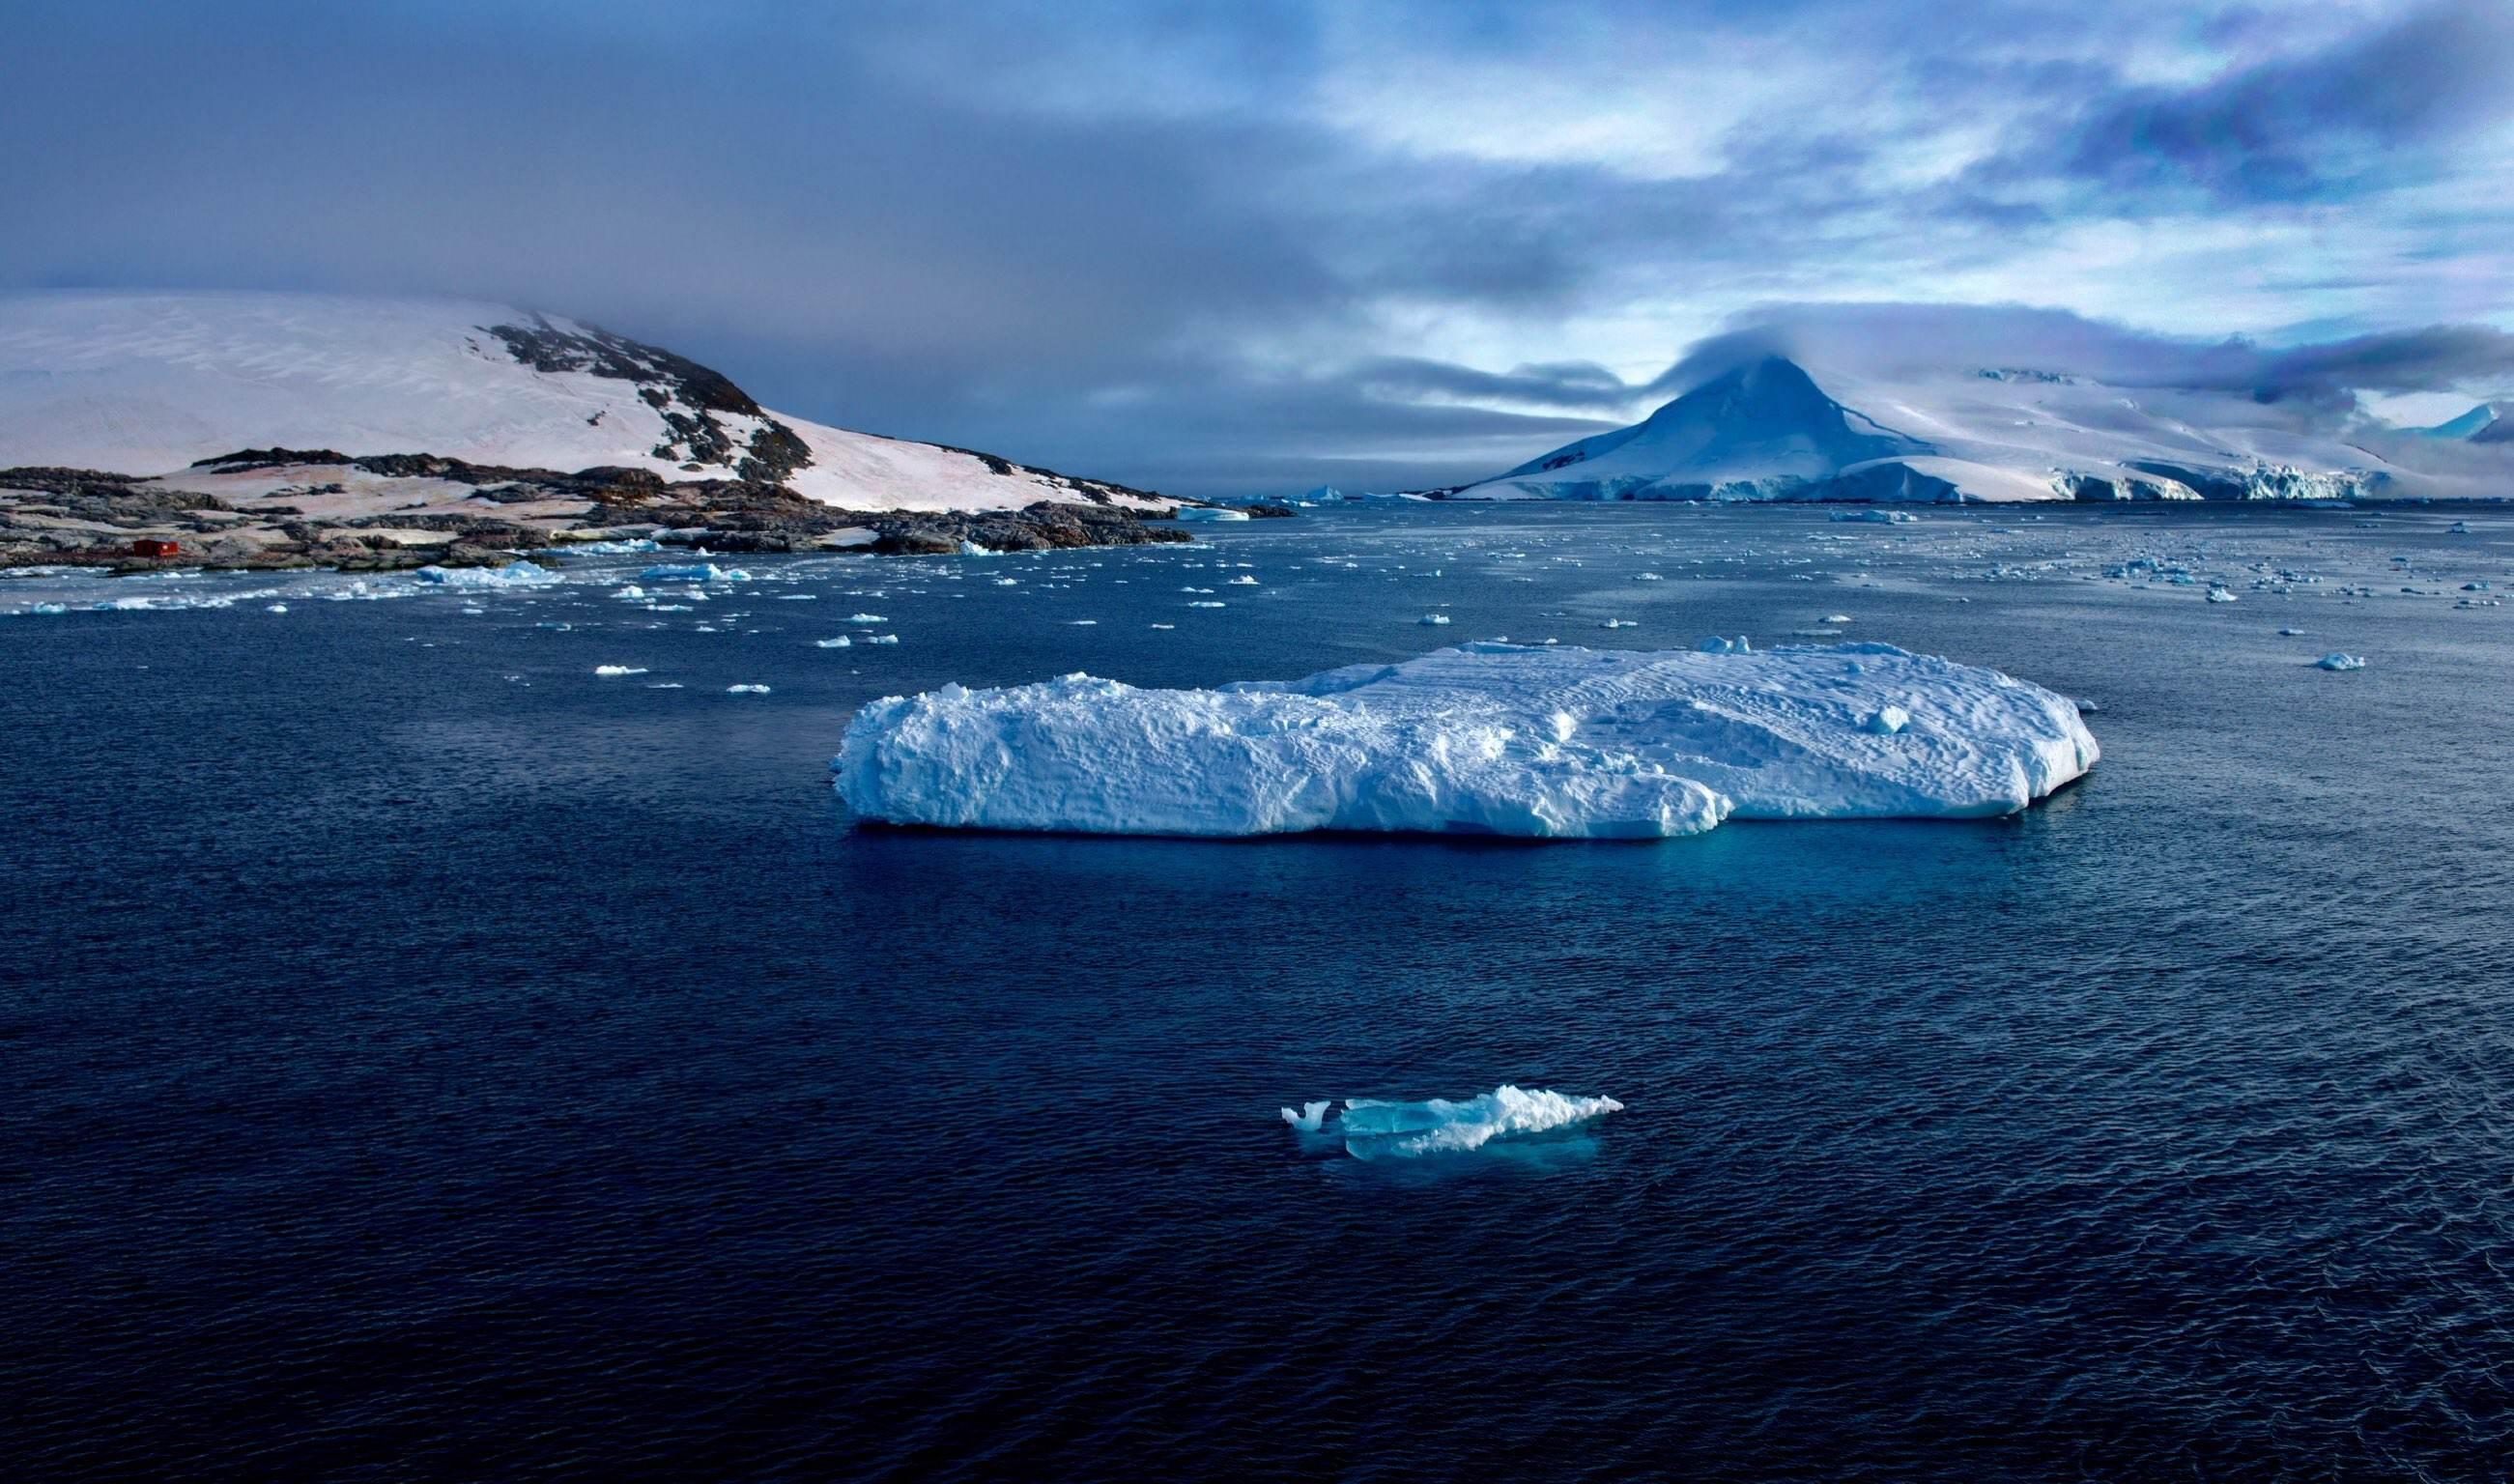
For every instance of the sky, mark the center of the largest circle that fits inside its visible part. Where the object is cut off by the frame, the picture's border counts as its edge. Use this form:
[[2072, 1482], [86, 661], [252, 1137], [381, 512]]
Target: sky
[[1246, 248]]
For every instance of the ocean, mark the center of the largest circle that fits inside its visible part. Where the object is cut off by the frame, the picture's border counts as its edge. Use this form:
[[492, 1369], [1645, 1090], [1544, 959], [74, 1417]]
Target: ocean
[[424, 1057]]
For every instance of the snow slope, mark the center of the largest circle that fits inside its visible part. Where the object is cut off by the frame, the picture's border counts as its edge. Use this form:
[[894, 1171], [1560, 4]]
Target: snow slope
[[1485, 739], [1769, 431], [148, 383]]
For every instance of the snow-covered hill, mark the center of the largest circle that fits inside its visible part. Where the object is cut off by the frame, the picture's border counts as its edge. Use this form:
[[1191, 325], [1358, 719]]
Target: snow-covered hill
[[151, 383], [1768, 431]]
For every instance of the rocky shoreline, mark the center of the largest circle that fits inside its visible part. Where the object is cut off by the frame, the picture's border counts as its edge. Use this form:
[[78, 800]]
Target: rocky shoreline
[[286, 508]]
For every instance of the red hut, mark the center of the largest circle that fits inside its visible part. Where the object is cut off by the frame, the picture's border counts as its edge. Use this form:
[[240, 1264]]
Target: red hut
[[149, 546]]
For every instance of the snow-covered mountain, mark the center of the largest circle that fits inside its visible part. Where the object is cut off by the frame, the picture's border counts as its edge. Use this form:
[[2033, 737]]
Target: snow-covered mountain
[[148, 385], [2480, 424], [1768, 431]]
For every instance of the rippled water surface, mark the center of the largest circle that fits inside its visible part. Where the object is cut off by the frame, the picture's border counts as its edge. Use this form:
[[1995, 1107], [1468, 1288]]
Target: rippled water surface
[[427, 1059]]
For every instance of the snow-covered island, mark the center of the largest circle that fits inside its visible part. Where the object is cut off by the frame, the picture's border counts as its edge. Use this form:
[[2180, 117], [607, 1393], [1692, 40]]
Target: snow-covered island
[[217, 424], [1483, 738], [1766, 429]]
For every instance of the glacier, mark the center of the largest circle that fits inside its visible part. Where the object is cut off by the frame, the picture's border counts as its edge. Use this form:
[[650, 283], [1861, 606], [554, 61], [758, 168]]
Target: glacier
[[1485, 738], [1374, 1129]]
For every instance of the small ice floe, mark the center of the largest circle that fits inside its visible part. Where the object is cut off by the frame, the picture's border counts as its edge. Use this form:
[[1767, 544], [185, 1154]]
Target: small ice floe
[[1888, 720], [664, 685], [1876, 517], [1164, 626], [1836, 617], [620, 669], [1206, 604], [48, 610], [276, 608], [1082, 622], [2340, 660], [866, 618], [512, 574], [1647, 577], [632, 593], [840, 642], [1008, 581], [1621, 623], [881, 638], [1716, 645], [1241, 581], [1433, 619], [1310, 1115], [1374, 1129], [692, 572], [746, 689], [2218, 593]]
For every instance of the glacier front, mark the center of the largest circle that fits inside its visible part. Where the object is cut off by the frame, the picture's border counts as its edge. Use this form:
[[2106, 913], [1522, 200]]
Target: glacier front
[[1554, 743]]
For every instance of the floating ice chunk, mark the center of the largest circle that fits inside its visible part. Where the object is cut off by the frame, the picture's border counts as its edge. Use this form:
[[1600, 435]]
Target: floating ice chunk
[[1082, 622], [1485, 738], [866, 618], [276, 608], [1716, 645], [1648, 577], [1621, 623], [1204, 604], [1888, 720], [2458, 528], [1836, 617], [1376, 1130], [2218, 593], [1008, 581], [619, 669], [840, 642], [664, 685], [693, 572], [1433, 619], [1876, 517], [1241, 581], [512, 574], [746, 689], [613, 548], [1310, 1115], [48, 610], [881, 638], [1209, 512], [2336, 660]]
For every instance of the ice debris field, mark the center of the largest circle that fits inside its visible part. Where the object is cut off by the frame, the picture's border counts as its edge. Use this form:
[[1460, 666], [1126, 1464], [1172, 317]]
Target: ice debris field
[[1483, 738], [1373, 1128]]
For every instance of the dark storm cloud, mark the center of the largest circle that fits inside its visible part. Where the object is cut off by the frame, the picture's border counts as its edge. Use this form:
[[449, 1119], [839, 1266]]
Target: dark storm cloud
[[1166, 242], [2302, 127]]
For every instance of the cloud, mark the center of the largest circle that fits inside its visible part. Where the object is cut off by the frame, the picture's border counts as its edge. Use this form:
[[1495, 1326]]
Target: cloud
[[1162, 243], [2299, 128]]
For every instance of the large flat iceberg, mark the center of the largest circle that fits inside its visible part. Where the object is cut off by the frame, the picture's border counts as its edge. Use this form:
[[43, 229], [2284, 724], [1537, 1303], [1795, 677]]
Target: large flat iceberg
[[1485, 738]]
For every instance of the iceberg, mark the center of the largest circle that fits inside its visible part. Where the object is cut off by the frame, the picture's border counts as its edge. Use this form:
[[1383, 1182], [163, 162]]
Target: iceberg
[[1374, 1129], [2340, 660], [512, 574], [1490, 738], [697, 572]]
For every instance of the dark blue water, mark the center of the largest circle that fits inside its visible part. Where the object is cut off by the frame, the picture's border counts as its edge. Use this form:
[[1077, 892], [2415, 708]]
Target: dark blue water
[[422, 1060]]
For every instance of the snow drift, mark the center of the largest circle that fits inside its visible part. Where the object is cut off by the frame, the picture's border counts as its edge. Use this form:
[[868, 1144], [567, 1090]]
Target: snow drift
[[1486, 738]]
